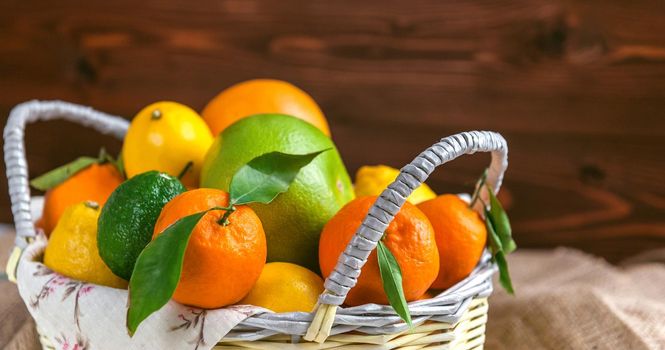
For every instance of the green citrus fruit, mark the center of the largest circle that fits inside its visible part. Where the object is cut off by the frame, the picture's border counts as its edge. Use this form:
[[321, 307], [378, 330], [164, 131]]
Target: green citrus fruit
[[294, 220], [128, 218]]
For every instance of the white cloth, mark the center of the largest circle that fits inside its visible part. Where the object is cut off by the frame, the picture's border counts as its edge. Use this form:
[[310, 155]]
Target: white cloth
[[77, 315]]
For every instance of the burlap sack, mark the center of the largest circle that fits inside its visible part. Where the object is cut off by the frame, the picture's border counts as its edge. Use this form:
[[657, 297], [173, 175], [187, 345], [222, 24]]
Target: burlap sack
[[570, 300]]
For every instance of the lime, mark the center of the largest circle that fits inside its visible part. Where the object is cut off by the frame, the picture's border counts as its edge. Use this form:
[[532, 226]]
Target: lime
[[129, 216]]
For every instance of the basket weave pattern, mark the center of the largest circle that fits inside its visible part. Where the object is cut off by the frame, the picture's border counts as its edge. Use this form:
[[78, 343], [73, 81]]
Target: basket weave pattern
[[467, 334], [454, 319]]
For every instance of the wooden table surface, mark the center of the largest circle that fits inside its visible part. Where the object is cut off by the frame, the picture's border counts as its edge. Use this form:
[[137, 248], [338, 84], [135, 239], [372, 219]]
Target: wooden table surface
[[577, 89]]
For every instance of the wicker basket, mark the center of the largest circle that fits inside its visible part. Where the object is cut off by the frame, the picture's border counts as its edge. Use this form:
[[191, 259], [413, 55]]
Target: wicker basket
[[454, 319]]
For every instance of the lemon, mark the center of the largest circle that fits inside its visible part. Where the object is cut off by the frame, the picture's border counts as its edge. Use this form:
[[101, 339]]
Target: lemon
[[72, 247], [285, 287], [167, 136], [372, 180]]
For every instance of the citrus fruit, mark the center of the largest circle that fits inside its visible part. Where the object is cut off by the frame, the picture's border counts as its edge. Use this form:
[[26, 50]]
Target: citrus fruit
[[262, 96], [460, 236], [166, 136], [410, 237], [293, 221], [372, 180], [128, 218], [222, 262], [428, 295], [94, 183], [72, 247], [285, 287]]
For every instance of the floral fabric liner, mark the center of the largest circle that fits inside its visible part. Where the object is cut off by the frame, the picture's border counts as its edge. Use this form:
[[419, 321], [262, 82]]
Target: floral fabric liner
[[76, 315]]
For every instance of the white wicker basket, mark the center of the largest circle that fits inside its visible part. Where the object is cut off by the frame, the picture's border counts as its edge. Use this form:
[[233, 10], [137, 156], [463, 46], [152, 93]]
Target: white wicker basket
[[454, 319]]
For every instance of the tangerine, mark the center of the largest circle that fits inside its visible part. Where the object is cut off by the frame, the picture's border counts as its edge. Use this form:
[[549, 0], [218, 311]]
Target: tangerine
[[94, 183], [222, 262], [410, 237], [460, 236]]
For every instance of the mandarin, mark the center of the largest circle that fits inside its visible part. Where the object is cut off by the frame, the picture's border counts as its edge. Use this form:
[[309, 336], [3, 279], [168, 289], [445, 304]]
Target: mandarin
[[460, 236], [94, 183], [410, 237], [222, 262]]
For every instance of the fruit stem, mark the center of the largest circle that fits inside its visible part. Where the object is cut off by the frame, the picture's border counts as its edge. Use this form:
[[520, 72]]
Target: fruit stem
[[185, 169], [479, 185], [103, 156], [156, 114], [91, 205], [224, 220]]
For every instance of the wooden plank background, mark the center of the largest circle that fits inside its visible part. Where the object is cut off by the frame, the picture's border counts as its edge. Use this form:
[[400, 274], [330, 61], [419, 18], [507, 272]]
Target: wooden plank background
[[577, 88]]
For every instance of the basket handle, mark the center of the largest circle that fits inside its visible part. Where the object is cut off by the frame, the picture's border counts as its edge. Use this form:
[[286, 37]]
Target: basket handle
[[364, 241], [15, 161]]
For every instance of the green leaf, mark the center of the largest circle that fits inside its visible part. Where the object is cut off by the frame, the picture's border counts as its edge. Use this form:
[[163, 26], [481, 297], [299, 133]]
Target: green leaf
[[157, 270], [120, 165], [391, 276], [105, 157], [498, 254], [501, 223], [62, 173], [494, 240], [266, 176], [504, 274], [479, 186]]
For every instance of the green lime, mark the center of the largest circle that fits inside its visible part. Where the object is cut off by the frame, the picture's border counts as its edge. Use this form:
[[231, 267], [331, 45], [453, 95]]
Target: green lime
[[128, 218]]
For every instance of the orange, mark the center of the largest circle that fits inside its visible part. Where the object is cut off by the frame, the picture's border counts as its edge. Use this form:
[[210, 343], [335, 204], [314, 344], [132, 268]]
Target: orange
[[94, 183], [460, 235], [222, 263], [410, 237], [262, 96], [428, 295]]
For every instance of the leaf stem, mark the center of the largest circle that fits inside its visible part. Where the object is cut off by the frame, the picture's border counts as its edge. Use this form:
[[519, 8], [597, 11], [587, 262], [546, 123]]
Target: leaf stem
[[103, 156], [479, 185], [224, 220], [185, 169]]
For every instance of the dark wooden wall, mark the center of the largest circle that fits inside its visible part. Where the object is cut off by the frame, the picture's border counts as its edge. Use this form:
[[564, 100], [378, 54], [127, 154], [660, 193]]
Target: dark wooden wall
[[577, 88]]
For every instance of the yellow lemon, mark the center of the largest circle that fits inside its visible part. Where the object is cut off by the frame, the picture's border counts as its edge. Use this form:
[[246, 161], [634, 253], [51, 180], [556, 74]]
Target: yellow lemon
[[167, 136], [285, 287], [372, 180], [72, 247]]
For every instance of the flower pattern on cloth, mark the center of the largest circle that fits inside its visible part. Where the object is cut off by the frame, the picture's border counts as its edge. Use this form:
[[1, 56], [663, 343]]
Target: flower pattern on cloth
[[76, 315]]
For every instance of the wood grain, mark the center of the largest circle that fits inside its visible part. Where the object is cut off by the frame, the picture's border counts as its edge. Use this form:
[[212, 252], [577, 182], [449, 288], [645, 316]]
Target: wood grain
[[578, 89]]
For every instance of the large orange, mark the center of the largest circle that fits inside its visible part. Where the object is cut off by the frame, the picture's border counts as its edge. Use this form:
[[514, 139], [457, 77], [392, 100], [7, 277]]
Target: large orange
[[94, 183], [460, 235], [222, 263], [410, 237], [262, 96]]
